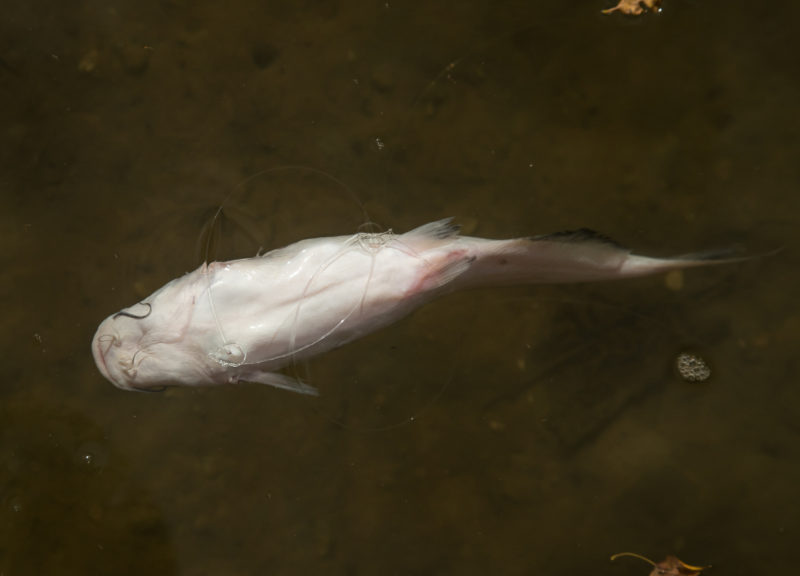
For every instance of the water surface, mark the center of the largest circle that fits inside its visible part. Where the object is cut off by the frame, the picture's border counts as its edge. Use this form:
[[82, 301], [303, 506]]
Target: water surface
[[515, 431]]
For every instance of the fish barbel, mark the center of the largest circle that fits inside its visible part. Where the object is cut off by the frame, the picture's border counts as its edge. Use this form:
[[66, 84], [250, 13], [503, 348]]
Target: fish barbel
[[245, 319]]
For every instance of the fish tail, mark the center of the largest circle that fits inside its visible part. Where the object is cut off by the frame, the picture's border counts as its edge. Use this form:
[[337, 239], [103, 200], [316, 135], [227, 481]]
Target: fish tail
[[573, 256]]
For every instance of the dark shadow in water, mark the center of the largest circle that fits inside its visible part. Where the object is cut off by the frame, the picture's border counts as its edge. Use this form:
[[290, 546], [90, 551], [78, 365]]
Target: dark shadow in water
[[602, 358], [68, 502]]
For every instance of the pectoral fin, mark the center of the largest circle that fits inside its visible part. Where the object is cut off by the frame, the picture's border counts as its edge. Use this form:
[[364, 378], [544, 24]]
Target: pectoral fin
[[279, 380]]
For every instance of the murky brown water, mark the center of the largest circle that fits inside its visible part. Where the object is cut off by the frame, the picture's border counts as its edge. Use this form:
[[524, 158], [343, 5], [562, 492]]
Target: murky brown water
[[519, 431]]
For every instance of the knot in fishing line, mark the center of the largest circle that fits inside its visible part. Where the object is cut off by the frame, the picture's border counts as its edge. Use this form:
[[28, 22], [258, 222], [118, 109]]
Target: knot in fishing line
[[230, 354], [372, 242]]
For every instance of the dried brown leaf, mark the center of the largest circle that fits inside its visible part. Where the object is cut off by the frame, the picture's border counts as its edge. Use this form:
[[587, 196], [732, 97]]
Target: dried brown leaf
[[669, 566], [635, 7], [672, 566]]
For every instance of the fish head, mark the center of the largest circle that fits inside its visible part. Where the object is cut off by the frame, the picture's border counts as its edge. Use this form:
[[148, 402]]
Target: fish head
[[144, 347]]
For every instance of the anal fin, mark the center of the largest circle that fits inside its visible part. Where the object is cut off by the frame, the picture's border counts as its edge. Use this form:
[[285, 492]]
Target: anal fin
[[279, 380]]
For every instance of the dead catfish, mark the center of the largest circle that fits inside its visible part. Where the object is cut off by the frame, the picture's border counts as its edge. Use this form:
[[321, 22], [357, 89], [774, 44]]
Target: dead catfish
[[243, 320]]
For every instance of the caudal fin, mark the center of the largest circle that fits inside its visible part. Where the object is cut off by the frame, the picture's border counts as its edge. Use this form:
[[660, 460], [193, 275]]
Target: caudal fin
[[573, 256]]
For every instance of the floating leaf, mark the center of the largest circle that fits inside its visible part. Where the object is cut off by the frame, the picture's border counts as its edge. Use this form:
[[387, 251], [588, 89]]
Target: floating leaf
[[669, 566], [635, 7]]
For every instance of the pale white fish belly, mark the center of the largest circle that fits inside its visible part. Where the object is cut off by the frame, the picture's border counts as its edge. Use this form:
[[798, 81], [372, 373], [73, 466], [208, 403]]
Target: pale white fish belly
[[327, 295]]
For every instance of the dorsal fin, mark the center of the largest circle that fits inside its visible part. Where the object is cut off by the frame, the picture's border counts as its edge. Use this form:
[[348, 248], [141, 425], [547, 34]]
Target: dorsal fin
[[440, 229]]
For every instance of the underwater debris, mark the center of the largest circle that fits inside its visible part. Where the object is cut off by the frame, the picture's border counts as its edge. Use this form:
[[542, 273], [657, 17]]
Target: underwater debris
[[635, 7], [669, 566], [692, 367]]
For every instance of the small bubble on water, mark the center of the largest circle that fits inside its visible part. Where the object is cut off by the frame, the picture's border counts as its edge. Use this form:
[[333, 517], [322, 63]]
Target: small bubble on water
[[692, 367], [92, 456]]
